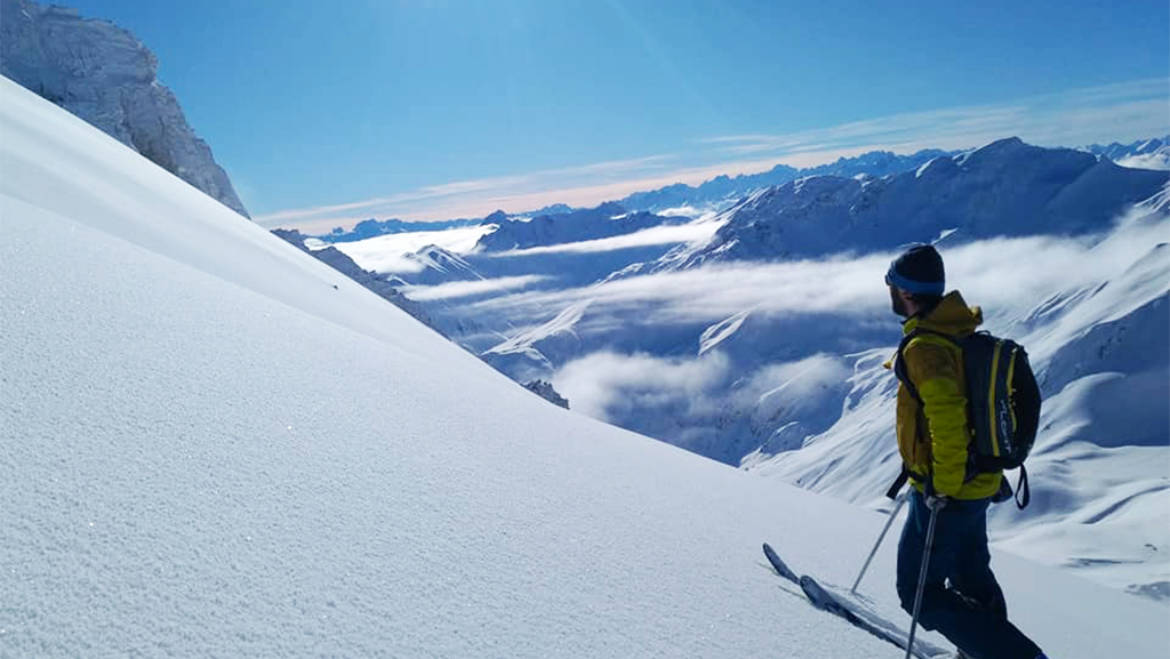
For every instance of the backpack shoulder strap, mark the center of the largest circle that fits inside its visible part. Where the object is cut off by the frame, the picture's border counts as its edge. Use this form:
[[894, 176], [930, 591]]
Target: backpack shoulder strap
[[900, 363], [900, 367]]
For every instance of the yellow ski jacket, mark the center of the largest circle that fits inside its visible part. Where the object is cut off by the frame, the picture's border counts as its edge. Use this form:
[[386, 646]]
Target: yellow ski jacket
[[933, 437]]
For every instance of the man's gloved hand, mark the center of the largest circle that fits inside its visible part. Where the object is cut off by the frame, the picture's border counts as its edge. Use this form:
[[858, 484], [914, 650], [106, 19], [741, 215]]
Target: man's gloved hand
[[937, 501]]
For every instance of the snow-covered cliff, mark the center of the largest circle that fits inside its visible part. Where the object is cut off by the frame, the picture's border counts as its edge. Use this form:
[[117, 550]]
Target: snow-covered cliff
[[103, 74]]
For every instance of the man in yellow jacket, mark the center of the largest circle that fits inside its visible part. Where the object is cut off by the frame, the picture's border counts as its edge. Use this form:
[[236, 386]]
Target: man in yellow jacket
[[960, 598]]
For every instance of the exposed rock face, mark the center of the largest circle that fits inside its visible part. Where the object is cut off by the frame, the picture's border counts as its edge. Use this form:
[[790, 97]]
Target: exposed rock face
[[104, 75], [545, 390]]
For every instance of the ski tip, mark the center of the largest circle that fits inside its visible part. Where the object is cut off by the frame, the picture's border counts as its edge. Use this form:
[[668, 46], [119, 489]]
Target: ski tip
[[771, 553], [778, 564]]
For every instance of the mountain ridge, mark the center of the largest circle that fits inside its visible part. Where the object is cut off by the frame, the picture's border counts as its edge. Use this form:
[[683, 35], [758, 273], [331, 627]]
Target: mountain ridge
[[104, 75]]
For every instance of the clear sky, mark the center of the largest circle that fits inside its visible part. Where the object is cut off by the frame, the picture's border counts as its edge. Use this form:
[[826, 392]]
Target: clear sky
[[330, 112]]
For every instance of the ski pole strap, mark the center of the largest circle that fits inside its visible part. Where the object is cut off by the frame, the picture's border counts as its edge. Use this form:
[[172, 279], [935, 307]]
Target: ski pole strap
[[1023, 492], [903, 476]]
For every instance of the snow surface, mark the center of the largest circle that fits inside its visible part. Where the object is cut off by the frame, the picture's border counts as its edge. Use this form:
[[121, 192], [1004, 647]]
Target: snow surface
[[213, 444]]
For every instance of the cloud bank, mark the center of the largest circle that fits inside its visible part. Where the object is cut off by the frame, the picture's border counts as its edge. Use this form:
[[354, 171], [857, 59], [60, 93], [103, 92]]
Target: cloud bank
[[1001, 274], [660, 235], [457, 289]]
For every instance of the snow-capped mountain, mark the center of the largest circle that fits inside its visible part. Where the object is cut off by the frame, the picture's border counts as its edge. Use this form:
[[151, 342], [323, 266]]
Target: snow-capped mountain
[[723, 190], [532, 352], [246, 453], [605, 221], [1141, 154], [678, 199], [103, 74], [437, 265], [371, 228], [1006, 188]]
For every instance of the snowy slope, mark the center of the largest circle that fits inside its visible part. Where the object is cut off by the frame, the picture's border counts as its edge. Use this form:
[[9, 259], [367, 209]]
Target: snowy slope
[[385, 286], [209, 449]]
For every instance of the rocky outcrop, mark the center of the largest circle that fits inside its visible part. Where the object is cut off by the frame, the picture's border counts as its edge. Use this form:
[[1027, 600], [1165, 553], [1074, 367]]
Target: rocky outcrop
[[545, 390], [104, 75]]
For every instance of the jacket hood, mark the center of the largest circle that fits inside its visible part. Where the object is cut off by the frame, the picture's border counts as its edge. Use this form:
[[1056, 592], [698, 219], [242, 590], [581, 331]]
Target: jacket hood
[[951, 316]]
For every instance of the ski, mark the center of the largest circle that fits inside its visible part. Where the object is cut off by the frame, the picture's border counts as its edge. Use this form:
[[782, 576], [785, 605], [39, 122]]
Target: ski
[[779, 565], [823, 599]]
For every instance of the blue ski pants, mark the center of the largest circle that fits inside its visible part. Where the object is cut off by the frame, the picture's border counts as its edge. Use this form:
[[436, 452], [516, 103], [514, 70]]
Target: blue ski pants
[[961, 599]]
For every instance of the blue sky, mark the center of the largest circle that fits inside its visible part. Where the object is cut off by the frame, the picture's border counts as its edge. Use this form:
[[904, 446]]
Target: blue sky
[[332, 112]]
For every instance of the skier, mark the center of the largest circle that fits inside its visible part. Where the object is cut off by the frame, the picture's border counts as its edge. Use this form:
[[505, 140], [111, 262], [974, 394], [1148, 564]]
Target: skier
[[960, 598]]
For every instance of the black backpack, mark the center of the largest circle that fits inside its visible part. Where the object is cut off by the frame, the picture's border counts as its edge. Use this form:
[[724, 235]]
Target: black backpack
[[1003, 403]]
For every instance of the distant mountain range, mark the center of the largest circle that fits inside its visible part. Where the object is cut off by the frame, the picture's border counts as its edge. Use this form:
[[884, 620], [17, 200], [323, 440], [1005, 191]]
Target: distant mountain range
[[1146, 154], [373, 227], [723, 191], [719, 191], [725, 188], [605, 221], [1006, 188]]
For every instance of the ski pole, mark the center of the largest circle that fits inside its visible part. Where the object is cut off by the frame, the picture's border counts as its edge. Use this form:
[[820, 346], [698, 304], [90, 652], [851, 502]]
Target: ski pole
[[894, 513], [922, 579]]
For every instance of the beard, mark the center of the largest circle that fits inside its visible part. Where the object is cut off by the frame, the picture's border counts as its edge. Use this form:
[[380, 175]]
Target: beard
[[898, 304]]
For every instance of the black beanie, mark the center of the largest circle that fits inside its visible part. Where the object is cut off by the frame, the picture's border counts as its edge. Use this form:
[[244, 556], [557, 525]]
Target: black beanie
[[918, 270]]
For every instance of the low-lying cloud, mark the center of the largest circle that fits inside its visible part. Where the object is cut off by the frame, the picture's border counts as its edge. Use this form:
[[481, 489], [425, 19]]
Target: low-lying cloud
[[792, 388], [609, 385], [457, 289], [660, 235], [388, 254], [708, 403], [1005, 275]]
